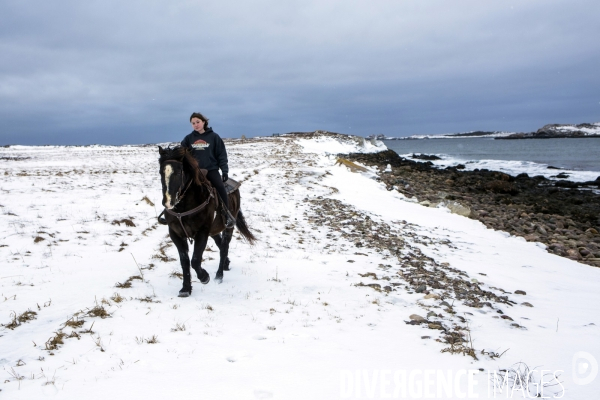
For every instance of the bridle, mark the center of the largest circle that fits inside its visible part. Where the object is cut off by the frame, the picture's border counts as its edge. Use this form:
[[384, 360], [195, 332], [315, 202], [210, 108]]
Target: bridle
[[179, 196]]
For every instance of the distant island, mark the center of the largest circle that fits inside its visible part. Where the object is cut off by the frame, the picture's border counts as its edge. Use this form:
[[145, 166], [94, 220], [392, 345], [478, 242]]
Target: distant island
[[550, 131], [559, 131]]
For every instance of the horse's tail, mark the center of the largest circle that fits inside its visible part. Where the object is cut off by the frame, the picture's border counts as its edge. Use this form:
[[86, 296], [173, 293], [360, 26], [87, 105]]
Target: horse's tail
[[240, 223]]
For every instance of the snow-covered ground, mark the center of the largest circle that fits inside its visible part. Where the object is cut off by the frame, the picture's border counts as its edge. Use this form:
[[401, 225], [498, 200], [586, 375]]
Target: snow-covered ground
[[295, 318], [588, 129]]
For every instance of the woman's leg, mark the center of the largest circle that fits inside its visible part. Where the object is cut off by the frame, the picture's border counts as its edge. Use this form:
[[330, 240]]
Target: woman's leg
[[215, 179]]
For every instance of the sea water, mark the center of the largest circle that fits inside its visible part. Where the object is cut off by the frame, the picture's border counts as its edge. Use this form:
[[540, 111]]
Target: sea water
[[578, 158]]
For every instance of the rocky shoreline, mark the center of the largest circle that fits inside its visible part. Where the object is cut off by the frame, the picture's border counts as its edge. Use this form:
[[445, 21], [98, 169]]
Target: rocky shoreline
[[563, 215], [555, 131]]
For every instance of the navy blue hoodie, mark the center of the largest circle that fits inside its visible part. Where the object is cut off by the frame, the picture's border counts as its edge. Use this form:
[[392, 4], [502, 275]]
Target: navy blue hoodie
[[208, 149]]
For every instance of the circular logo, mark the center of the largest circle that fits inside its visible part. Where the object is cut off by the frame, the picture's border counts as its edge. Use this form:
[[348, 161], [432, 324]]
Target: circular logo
[[585, 368]]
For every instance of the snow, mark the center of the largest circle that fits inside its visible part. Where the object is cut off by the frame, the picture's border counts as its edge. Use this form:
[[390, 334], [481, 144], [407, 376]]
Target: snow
[[288, 321], [593, 130], [510, 167]]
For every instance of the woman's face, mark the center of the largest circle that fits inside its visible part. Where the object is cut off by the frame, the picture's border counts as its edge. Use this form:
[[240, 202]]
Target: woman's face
[[197, 124]]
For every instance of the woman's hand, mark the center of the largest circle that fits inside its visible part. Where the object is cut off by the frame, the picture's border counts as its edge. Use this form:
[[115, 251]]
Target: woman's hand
[[225, 177]]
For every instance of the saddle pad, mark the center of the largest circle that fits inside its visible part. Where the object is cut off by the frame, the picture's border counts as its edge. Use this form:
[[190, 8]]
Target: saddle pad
[[231, 185]]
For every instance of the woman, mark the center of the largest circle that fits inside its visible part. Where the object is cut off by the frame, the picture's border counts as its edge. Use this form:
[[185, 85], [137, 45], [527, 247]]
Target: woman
[[209, 150]]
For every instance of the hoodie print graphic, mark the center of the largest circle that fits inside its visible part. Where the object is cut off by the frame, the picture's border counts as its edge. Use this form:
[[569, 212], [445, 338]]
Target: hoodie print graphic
[[200, 145]]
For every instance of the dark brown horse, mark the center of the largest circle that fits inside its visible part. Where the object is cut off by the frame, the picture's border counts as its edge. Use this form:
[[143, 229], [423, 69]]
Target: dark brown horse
[[192, 212]]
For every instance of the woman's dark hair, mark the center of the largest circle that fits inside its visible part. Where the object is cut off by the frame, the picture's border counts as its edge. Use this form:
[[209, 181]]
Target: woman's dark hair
[[200, 116]]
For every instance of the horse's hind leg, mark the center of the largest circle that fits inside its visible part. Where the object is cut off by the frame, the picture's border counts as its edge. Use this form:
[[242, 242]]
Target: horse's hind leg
[[224, 251], [218, 240], [199, 246], [184, 259]]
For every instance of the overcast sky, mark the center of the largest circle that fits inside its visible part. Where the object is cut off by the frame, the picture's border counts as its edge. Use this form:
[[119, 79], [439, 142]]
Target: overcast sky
[[116, 72]]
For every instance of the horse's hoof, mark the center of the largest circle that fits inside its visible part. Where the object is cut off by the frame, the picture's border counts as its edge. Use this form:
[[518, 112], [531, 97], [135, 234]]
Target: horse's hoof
[[202, 275], [219, 280], [207, 279], [184, 293]]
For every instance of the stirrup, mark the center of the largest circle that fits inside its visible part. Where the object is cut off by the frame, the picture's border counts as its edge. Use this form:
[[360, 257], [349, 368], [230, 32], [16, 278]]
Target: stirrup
[[229, 220]]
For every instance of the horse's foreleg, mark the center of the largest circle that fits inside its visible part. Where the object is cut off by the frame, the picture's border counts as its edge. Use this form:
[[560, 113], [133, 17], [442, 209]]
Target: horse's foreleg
[[199, 246], [184, 259], [218, 240], [224, 251]]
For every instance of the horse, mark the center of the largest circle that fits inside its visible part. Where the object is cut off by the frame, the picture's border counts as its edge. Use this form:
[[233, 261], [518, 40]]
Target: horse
[[191, 211]]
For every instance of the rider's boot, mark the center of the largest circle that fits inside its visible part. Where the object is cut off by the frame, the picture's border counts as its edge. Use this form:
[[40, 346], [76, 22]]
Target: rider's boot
[[229, 219]]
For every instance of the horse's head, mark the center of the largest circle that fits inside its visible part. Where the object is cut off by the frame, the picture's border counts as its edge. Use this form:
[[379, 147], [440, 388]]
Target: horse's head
[[172, 177], [178, 170]]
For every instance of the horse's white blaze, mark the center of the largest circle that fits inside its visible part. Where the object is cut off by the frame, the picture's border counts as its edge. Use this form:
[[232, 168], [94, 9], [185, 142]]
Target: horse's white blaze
[[168, 173]]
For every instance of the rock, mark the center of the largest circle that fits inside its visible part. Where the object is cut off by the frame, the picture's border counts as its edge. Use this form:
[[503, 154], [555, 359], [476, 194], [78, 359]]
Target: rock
[[573, 254], [592, 231], [520, 292], [417, 318], [457, 208], [584, 252], [501, 186], [425, 157], [435, 326], [431, 314], [425, 337], [526, 304], [421, 289], [432, 296], [445, 303], [506, 317]]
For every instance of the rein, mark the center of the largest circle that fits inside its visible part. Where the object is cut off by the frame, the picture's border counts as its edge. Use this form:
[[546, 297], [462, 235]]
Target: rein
[[179, 197]]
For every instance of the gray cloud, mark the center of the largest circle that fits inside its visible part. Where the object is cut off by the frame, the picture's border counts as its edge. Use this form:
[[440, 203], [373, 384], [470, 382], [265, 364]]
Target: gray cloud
[[132, 72]]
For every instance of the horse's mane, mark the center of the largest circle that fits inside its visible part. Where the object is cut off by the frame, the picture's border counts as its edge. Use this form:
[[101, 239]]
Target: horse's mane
[[183, 155]]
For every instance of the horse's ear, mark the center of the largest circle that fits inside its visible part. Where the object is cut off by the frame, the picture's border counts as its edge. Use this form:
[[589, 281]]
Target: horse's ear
[[160, 150]]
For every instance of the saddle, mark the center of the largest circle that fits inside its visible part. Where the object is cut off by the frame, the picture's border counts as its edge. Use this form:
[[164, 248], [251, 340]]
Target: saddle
[[231, 185]]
